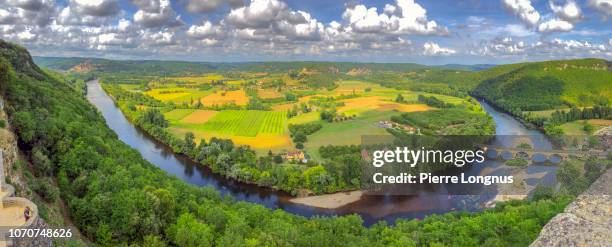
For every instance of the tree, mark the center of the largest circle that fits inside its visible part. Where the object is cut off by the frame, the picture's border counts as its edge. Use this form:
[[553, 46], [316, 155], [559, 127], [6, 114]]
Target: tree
[[587, 127], [328, 115], [189, 232], [154, 117], [224, 162], [153, 241], [278, 159], [299, 137], [189, 143], [42, 164], [317, 179], [399, 98], [542, 192], [290, 97]]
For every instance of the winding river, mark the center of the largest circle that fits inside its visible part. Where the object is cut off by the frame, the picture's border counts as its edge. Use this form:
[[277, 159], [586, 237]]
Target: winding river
[[371, 208]]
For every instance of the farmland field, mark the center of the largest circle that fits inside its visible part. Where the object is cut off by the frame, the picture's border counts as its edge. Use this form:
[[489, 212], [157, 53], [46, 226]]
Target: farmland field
[[348, 132], [362, 104], [269, 94], [178, 95], [177, 114], [198, 116], [577, 127], [246, 123], [237, 97], [218, 105], [198, 79]]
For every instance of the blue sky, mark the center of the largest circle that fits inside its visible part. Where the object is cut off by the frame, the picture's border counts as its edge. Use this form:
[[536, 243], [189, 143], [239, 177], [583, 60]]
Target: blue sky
[[427, 32]]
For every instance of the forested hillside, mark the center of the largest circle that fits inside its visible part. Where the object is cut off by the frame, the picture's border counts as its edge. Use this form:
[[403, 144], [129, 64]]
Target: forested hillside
[[550, 85], [117, 198], [156, 67]]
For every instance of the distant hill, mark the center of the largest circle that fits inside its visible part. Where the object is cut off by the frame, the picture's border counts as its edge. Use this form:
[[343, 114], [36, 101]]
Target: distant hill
[[474, 67], [548, 85], [157, 67], [514, 87]]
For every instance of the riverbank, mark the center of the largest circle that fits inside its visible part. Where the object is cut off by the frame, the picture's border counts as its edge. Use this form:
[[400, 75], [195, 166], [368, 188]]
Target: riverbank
[[329, 201]]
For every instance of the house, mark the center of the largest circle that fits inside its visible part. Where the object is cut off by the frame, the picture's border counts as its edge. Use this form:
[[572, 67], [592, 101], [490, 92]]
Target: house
[[365, 155], [389, 125], [385, 124], [296, 155]]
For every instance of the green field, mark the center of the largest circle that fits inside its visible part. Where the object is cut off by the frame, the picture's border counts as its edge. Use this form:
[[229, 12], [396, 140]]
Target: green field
[[577, 127], [177, 114], [348, 132], [246, 122]]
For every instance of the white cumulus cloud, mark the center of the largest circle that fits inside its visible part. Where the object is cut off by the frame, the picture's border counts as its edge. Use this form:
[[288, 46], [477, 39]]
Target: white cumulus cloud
[[433, 49], [570, 12], [258, 14], [205, 6], [165, 16], [524, 10], [603, 6], [96, 7], [206, 30], [555, 25], [406, 17]]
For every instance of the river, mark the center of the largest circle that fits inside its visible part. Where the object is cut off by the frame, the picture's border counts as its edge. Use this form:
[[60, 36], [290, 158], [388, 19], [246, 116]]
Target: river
[[371, 208]]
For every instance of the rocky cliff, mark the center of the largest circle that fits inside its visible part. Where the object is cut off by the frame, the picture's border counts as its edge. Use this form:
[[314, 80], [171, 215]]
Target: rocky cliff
[[585, 222]]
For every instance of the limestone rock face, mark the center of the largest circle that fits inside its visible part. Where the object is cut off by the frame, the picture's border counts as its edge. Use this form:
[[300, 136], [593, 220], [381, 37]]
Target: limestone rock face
[[35, 242], [586, 221]]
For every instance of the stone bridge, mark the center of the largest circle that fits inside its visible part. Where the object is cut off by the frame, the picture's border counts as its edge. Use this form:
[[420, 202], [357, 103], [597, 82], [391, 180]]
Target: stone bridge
[[506, 153]]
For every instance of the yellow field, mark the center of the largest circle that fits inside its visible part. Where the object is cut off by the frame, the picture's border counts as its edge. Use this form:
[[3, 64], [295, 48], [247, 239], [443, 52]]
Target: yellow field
[[358, 87], [404, 107], [198, 116], [305, 118], [363, 104], [235, 82], [198, 79], [601, 122], [307, 98], [282, 107], [265, 141], [177, 95], [261, 143], [269, 94], [159, 94], [129, 87], [225, 97]]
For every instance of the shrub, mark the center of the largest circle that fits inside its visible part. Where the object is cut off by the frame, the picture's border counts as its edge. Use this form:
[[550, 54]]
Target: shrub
[[542, 192], [46, 190], [517, 162]]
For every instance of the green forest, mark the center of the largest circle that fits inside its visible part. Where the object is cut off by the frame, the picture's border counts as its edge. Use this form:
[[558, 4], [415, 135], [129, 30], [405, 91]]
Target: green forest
[[116, 198], [550, 85]]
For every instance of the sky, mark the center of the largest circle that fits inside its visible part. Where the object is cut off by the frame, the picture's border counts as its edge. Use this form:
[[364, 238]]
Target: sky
[[419, 31]]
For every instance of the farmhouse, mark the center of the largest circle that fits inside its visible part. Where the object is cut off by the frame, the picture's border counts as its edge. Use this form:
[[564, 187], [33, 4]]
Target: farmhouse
[[296, 155], [385, 124], [388, 125]]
